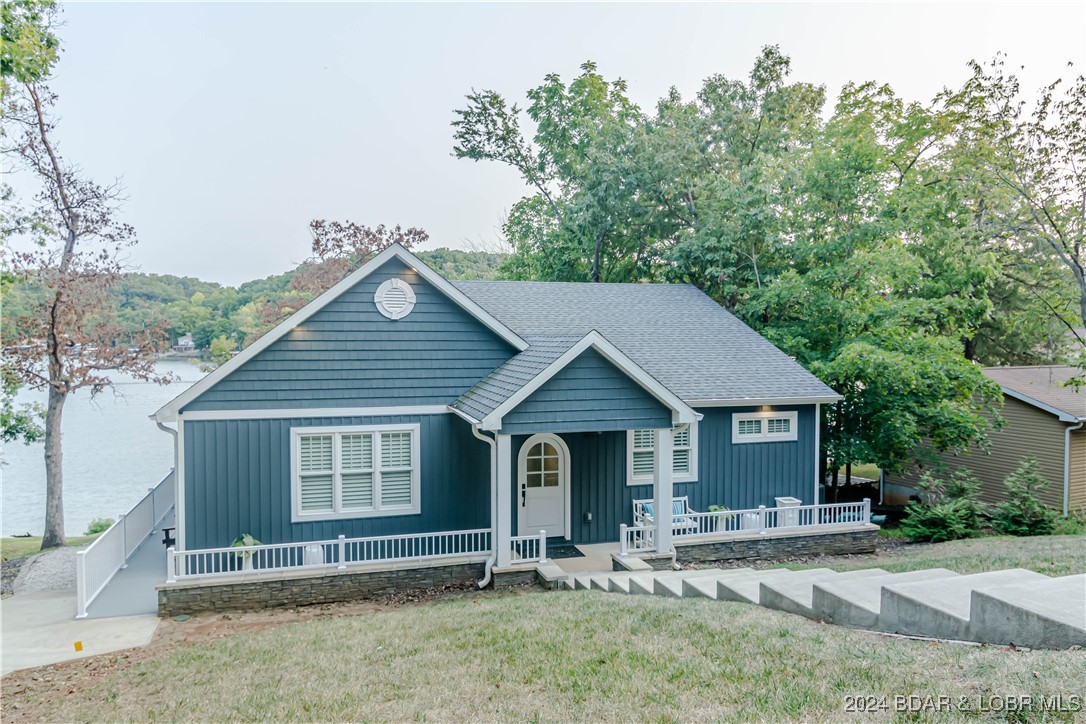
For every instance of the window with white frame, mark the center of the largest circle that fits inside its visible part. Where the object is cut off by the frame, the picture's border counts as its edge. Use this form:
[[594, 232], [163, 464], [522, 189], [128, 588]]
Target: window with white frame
[[355, 472], [641, 455], [770, 426]]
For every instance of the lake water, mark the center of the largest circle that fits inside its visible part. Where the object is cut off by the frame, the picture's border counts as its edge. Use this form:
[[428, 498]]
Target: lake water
[[112, 454]]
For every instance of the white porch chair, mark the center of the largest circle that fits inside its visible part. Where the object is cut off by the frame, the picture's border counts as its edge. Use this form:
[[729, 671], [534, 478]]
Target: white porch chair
[[643, 511]]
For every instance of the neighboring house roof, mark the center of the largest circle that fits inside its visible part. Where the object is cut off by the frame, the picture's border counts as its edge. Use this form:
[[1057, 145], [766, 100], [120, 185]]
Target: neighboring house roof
[[509, 385], [675, 332], [1042, 386]]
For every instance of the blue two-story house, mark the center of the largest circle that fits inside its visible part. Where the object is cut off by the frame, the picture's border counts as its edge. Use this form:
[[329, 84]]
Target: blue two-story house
[[401, 416]]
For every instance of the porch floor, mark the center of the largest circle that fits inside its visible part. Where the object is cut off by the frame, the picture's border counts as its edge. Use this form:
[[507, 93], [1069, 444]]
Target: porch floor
[[132, 589], [597, 557]]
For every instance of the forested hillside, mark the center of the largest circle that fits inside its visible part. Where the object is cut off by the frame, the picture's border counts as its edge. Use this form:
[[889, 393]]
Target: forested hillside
[[207, 310]]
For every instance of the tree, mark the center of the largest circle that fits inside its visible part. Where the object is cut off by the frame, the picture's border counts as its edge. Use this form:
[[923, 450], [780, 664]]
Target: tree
[[1035, 161], [73, 241]]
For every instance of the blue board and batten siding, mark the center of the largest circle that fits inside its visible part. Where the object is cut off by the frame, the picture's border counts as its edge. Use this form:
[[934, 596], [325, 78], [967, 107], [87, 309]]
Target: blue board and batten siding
[[737, 476], [588, 394], [238, 480], [349, 355]]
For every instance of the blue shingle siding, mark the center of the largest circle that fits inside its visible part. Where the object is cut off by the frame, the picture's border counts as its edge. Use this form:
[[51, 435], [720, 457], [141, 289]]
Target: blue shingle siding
[[238, 478], [737, 476], [588, 394], [349, 355]]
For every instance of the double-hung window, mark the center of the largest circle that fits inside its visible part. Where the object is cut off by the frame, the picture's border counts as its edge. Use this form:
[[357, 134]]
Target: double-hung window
[[764, 427], [355, 472], [641, 455]]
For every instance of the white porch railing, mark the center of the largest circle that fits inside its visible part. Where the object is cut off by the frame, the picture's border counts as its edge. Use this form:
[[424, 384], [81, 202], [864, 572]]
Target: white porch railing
[[96, 564], [761, 520], [337, 553], [530, 548]]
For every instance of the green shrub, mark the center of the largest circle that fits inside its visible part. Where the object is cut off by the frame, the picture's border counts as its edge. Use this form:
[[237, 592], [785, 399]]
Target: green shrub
[[950, 510], [98, 525], [1023, 513], [1072, 524]]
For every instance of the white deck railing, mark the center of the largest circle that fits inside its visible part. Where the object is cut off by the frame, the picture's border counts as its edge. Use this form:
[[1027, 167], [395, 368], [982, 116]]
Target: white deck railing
[[760, 520], [96, 564], [336, 553], [529, 548]]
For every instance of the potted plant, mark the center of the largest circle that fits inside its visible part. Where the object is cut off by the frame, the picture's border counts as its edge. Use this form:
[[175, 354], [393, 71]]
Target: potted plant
[[245, 540], [714, 521]]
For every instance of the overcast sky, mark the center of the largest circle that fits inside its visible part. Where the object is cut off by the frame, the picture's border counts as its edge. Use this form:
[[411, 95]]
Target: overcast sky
[[233, 125]]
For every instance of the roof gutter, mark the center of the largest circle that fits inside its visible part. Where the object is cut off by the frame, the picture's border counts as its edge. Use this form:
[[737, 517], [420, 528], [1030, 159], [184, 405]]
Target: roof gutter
[[493, 504], [1067, 464]]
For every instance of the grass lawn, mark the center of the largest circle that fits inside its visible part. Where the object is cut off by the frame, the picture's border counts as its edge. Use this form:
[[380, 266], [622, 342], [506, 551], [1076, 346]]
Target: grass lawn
[[11, 548], [543, 656], [1054, 555]]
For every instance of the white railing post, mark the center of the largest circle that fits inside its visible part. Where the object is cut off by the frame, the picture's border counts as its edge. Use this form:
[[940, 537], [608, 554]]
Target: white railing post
[[171, 565], [81, 584], [341, 544], [124, 539], [761, 519], [623, 546], [542, 546], [866, 511]]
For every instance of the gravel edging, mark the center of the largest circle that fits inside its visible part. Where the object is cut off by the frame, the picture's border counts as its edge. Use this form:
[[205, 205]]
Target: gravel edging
[[9, 571], [52, 570]]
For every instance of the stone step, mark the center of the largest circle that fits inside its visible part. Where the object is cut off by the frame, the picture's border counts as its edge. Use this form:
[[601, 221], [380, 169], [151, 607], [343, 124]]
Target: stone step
[[856, 602], [794, 594], [1039, 614], [671, 584], [745, 588], [705, 587], [642, 584], [940, 609]]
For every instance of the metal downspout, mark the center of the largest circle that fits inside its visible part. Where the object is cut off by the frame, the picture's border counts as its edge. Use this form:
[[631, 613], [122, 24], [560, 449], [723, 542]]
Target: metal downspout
[[493, 505], [1067, 464]]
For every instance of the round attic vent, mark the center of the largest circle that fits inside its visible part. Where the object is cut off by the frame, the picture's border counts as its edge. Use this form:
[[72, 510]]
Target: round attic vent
[[394, 298]]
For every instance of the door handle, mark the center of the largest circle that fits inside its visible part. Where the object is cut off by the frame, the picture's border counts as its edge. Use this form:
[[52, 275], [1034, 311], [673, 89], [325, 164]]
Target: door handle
[[524, 496]]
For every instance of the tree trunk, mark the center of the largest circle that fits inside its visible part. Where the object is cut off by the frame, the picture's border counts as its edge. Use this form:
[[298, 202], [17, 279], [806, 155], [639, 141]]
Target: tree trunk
[[848, 474], [969, 348], [597, 258], [54, 477]]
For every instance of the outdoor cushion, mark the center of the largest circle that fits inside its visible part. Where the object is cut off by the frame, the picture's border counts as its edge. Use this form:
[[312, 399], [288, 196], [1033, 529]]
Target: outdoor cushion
[[677, 507], [646, 509]]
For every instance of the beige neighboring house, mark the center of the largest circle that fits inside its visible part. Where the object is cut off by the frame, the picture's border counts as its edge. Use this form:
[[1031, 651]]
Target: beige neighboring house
[[1043, 419]]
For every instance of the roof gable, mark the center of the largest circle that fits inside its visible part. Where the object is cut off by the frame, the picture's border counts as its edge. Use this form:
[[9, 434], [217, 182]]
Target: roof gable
[[501, 392], [292, 331], [1042, 386]]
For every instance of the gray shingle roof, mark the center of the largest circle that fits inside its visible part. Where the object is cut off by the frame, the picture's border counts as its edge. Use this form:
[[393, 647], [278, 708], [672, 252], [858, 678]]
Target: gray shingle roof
[[1045, 384], [502, 383], [674, 332]]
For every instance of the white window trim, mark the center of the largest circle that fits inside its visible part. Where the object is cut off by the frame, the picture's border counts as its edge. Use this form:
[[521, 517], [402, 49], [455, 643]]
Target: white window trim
[[766, 436], [296, 433], [689, 477]]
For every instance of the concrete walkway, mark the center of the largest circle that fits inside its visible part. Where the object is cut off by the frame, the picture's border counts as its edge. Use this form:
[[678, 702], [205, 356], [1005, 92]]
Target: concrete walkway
[[39, 628], [132, 590]]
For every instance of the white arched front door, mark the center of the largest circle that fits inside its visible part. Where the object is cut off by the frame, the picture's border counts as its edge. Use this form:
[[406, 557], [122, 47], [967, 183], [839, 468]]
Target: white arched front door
[[543, 486]]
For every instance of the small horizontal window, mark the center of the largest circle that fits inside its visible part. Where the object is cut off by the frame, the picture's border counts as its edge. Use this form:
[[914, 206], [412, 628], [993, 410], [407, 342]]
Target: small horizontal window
[[764, 427]]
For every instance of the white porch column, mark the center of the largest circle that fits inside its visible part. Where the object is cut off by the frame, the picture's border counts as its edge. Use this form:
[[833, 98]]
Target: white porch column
[[503, 529], [664, 489]]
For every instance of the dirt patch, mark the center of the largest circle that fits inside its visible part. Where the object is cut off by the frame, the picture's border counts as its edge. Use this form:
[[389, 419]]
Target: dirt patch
[[27, 692]]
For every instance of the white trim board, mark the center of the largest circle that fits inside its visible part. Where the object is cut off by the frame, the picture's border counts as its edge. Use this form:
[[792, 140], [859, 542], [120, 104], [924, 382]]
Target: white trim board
[[282, 413], [681, 412], [169, 411], [757, 401]]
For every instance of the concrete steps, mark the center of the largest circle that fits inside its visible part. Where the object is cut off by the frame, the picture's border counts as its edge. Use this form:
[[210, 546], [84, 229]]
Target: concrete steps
[[856, 602], [1048, 614], [793, 594], [1001, 607]]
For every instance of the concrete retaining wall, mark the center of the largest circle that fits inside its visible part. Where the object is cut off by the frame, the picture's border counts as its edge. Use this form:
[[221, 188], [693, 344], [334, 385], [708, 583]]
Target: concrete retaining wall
[[304, 590], [858, 540]]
